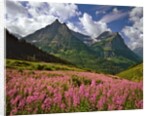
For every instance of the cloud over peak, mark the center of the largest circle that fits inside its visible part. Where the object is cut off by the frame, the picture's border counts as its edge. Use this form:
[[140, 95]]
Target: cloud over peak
[[91, 27], [24, 19]]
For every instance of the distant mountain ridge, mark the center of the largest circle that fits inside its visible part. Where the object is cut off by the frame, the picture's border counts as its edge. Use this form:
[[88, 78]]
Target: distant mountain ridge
[[109, 54]]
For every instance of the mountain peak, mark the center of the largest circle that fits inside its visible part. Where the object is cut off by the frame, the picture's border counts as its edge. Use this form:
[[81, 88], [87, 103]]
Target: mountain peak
[[57, 22]]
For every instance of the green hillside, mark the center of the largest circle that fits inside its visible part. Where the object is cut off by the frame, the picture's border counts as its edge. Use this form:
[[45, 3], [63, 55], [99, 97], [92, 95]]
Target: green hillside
[[30, 65], [135, 73]]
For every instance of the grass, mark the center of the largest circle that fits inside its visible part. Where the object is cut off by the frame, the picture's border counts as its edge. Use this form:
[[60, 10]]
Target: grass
[[135, 73], [28, 65]]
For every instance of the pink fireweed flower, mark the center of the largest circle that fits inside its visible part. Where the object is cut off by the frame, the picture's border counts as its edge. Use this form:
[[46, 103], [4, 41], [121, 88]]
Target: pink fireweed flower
[[119, 100], [62, 106], [15, 100], [101, 103], [29, 99], [76, 100], [11, 92], [81, 90], [139, 104], [93, 83], [41, 96], [13, 111], [30, 89], [93, 98], [21, 103], [47, 103], [57, 98], [111, 107], [87, 94]]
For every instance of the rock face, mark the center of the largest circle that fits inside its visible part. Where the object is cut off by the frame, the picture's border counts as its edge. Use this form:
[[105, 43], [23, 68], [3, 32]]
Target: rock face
[[109, 54]]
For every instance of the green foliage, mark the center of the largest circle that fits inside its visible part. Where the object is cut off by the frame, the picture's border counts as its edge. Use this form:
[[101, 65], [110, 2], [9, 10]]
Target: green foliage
[[40, 67], [84, 106], [135, 73], [28, 65], [129, 104], [65, 87], [98, 82], [78, 81]]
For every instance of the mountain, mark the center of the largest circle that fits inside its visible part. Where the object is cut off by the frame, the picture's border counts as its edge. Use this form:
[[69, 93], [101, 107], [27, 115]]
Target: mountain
[[134, 73], [115, 52], [20, 49], [139, 51], [109, 54], [114, 46], [59, 40]]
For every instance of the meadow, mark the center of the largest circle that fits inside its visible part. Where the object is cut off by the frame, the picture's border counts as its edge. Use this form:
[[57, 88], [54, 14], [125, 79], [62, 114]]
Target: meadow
[[35, 88]]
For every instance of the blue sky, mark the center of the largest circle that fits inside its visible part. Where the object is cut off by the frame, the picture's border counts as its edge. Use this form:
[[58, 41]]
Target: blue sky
[[99, 11], [23, 18]]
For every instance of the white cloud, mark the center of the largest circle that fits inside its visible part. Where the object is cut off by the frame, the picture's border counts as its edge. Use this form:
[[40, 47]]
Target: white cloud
[[64, 11], [102, 9], [91, 27], [115, 11], [135, 32], [23, 20], [113, 16], [74, 27], [15, 9], [136, 14]]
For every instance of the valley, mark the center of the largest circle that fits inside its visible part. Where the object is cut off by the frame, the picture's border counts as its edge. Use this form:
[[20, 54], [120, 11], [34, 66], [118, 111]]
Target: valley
[[58, 70]]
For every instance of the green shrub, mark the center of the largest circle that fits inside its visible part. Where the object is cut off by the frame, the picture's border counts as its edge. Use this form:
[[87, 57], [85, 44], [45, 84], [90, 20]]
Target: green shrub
[[76, 81], [86, 81], [98, 82], [40, 67]]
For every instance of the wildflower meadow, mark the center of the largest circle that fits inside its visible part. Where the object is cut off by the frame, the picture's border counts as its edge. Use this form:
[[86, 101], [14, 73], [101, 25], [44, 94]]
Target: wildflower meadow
[[36, 92]]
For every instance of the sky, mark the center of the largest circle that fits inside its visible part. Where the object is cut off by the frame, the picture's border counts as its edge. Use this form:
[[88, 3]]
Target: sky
[[23, 18]]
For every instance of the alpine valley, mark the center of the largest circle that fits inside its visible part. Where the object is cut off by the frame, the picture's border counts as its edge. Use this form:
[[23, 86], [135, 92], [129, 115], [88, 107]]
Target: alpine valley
[[67, 57], [108, 54]]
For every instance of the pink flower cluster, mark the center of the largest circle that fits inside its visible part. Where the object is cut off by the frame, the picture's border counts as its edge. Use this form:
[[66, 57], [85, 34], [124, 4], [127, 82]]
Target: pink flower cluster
[[53, 92]]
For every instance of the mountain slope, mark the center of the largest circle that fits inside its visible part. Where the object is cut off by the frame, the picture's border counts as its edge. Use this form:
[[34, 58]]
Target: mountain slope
[[19, 49], [57, 39], [135, 73], [139, 51], [109, 54], [113, 45], [117, 56]]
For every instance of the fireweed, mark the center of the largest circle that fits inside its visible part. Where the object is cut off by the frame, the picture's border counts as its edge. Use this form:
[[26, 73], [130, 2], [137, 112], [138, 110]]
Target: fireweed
[[58, 91]]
